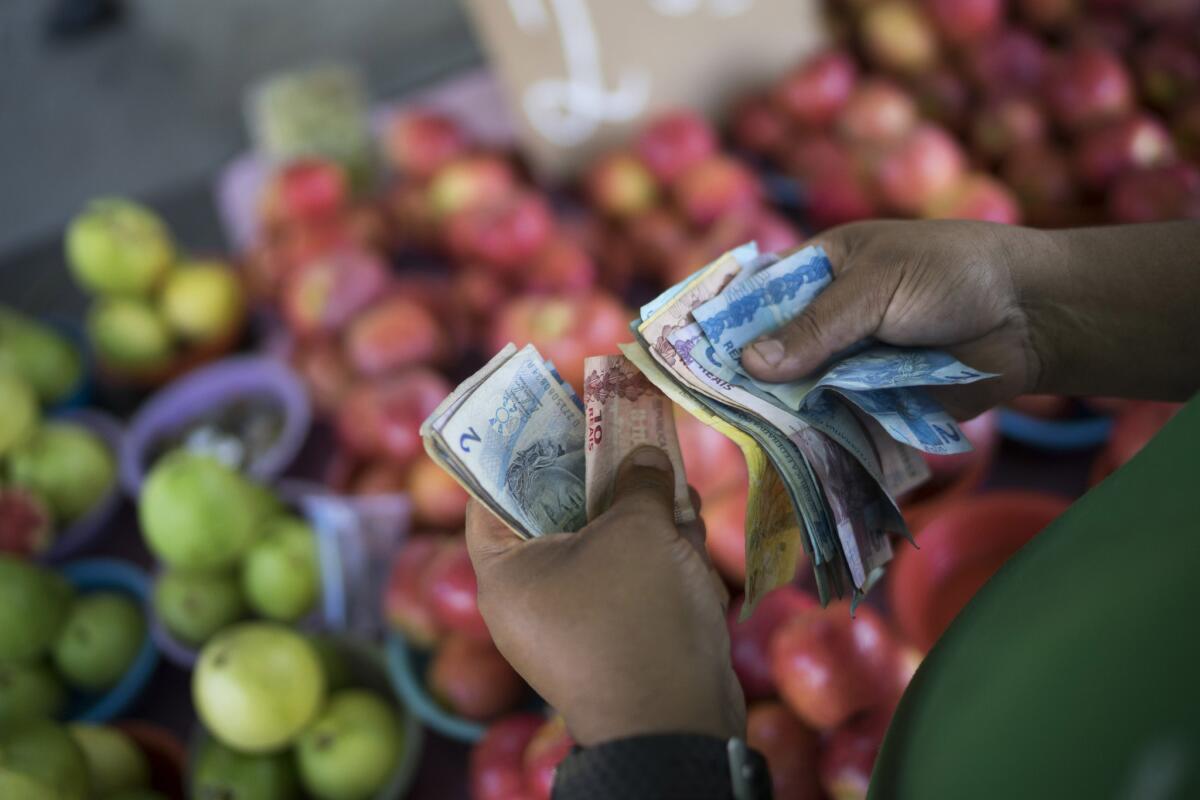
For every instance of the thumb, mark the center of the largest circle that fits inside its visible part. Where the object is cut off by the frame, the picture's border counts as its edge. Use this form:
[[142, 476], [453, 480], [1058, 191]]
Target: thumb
[[849, 310], [487, 536], [645, 485]]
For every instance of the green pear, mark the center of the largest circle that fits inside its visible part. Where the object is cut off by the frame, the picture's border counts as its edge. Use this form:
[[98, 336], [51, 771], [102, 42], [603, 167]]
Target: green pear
[[115, 763], [20, 414], [41, 355], [195, 605], [129, 334], [101, 638], [44, 752], [221, 773], [68, 465], [118, 247], [352, 749], [28, 691], [280, 575], [33, 607], [257, 685], [197, 513]]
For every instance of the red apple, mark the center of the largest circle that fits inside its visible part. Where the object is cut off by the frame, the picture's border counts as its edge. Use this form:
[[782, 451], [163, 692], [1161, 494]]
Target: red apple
[[1005, 124], [497, 772], [1168, 70], [919, 168], [395, 333], [830, 666], [834, 198], [450, 592], [977, 196], [769, 230], [325, 372], [1048, 14], [379, 478], [849, 755], [564, 329], [324, 295], [942, 96], [479, 291], [807, 155], [750, 640], [504, 235], [714, 188], [725, 520], [549, 746], [404, 601], [1138, 141], [1041, 178], [1185, 126], [1088, 85], [966, 21], [815, 92], [1109, 30], [655, 236], [304, 192], [26, 524], [620, 185], [898, 36], [790, 748], [673, 142], [757, 126], [878, 112], [470, 182], [472, 679], [369, 225], [420, 142], [438, 500], [712, 461], [1011, 62], [1161, 13], [1157, 193], [562, 266], [382, 419], [412, 214]]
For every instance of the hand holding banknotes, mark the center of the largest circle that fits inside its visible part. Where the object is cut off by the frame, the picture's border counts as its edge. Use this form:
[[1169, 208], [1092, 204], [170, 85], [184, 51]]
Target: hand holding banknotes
[[620, 626], [946, 284]]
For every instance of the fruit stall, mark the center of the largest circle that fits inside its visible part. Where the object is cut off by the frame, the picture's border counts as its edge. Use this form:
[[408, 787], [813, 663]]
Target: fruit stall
[[229, 569]]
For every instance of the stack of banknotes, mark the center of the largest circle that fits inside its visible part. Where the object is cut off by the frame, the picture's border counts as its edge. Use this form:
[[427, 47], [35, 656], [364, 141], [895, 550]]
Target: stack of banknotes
[[827, 455]]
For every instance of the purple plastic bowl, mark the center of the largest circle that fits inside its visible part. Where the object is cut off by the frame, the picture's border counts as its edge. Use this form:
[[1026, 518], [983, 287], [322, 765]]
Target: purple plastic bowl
[[211, 387], [84, 531]]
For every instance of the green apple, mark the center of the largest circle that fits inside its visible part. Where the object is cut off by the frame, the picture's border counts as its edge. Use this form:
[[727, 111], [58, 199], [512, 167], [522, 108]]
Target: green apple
[[221, 773], [280, 575], [116, 246], [352, 749], [115, 763], [197, 513], [129, 334], [28, 691], [257, 685], [68, 465], [202, 301], [22, 787], [44, 752], [39, 354], [33, 607], [19, 419], [195, 605], [102, 636]]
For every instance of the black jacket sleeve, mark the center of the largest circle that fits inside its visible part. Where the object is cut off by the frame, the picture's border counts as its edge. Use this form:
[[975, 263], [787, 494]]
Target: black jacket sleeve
[[660, 767]]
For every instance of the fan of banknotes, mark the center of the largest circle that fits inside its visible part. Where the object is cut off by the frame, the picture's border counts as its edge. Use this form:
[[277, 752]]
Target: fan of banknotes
[[827, 456]]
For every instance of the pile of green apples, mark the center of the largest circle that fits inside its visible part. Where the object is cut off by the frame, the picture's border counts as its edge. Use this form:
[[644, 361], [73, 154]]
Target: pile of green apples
[[52, 472], [53, 639], [229, 546], [284, 715], [43, 760], [150, 307]]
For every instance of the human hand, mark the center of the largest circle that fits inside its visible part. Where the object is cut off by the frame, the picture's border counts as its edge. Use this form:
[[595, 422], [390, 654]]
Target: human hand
[[946, 284], [620, 626]]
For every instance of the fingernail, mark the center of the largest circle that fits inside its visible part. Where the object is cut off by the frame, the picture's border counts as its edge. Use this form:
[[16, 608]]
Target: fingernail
[[769, 350], [650, 456]]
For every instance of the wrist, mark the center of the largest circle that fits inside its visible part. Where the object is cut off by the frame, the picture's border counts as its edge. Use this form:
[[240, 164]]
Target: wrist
[[656, 710], [1038, 263]]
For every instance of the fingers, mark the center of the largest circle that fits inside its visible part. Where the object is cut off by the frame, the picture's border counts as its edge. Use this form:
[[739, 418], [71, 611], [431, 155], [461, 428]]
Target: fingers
[[645, 485], [487, 536], [849, 310]]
